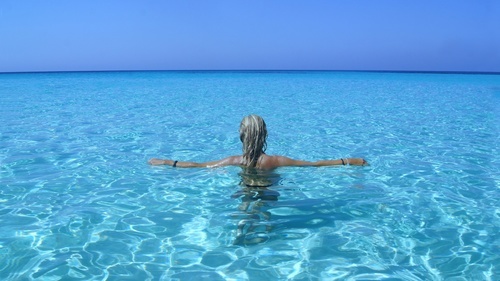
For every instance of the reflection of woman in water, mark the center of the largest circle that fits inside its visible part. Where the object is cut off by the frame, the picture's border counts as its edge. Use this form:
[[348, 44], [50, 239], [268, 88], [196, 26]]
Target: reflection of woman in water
[[256, 196], [257, 176]]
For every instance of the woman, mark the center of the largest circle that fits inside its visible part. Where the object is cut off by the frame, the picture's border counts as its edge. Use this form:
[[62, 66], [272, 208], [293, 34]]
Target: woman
[[253, 135], [257, 177]]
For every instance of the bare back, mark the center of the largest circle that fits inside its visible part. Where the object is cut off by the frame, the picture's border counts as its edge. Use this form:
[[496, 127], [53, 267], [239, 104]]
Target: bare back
[[268, 162]]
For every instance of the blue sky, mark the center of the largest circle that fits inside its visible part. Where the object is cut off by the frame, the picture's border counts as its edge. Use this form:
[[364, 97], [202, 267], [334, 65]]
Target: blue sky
[[423, 35]]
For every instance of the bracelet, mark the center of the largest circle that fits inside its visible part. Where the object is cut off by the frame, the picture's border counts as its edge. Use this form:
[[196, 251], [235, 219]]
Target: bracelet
[[175, 163], [342, 161]]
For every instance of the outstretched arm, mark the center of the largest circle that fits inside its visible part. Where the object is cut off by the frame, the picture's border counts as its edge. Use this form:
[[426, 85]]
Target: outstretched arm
[[285, 161], [229, 161]]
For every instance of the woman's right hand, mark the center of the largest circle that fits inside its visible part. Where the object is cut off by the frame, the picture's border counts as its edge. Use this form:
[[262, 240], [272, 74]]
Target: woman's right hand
[[156, 161]]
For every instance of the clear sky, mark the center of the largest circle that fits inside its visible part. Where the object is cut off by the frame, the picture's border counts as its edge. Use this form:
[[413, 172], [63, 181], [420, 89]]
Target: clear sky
[[418, 35]]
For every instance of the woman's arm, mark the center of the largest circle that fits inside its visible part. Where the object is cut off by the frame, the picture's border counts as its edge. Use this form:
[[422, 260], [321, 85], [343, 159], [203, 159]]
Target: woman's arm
[[285, 161], [229, 161]]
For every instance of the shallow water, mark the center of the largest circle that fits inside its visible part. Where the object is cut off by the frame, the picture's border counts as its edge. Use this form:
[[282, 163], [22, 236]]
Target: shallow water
[[79, 202]]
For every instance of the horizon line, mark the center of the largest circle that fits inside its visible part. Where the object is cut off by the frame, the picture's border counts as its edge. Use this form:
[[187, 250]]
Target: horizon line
[[258, 70]]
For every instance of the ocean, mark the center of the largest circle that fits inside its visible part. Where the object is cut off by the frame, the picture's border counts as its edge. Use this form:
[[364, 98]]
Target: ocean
[[78, 200]]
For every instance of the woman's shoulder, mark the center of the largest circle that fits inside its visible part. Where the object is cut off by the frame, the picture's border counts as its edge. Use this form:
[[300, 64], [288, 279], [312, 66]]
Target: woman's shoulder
[[281, 161], [272, 161], [235, 159]]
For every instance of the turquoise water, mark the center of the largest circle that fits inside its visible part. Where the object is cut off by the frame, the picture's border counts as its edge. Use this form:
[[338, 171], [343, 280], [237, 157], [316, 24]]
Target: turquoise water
[[79, 202]]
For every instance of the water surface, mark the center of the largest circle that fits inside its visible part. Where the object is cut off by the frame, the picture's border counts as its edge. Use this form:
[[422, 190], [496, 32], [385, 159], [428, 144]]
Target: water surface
[[79, 202]]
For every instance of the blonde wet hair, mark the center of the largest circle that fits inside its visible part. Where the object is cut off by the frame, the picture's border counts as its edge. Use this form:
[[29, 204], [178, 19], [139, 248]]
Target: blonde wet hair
[[253, 135]]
